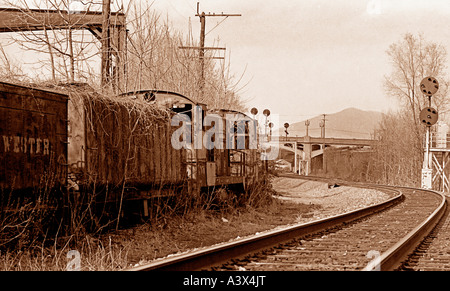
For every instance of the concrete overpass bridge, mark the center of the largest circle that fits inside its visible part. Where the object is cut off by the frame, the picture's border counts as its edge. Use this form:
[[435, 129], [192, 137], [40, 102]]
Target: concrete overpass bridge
[[305, 148]]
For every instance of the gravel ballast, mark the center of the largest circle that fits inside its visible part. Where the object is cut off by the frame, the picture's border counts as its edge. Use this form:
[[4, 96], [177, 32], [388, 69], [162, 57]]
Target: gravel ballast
[[328, 201], [300, 201]]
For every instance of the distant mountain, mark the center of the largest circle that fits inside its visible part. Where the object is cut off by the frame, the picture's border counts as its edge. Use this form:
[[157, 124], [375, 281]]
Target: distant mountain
[[348, 123]]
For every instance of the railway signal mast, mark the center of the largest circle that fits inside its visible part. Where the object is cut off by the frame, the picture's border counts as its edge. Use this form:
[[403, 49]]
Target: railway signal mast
[[428, 116], [286, 125]]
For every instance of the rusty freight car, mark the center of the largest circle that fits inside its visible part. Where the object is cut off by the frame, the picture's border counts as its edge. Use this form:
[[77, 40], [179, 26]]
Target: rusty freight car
[[33, 142], [115, 140], [102, 153], [113, 155], [237, 157], [120, 153], [221, 149]]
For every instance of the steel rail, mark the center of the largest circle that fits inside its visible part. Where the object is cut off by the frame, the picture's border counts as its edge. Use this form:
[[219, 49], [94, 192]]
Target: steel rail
[[392, 258], [222, 253]]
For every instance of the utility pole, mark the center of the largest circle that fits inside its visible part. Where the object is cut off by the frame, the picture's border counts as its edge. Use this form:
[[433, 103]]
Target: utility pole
[[106, 51], [202, 47]]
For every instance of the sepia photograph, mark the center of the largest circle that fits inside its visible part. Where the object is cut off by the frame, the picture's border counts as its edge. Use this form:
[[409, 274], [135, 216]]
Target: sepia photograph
[[247, 138]]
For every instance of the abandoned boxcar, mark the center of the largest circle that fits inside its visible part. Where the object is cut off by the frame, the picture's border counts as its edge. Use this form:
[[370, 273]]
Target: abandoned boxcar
[[97, 150], [33, 143]]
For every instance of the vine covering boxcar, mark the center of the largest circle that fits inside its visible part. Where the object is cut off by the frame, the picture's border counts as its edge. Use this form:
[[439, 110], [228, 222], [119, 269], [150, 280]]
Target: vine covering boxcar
[[33, 142], [97, 150]]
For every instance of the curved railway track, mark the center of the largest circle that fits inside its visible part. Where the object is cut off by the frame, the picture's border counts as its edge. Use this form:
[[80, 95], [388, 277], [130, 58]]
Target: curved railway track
[[378, 237], [433, 254]]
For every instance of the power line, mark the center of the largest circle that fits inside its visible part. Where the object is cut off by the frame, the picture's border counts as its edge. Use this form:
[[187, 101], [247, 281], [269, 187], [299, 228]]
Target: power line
[[190, 5], [176, 10], [202, 47], [217, 25]]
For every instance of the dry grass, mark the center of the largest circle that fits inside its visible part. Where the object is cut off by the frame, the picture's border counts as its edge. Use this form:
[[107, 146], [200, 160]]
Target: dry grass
[[146, 242], [189, 222], [203, 224], [196, 230], [94, 255]]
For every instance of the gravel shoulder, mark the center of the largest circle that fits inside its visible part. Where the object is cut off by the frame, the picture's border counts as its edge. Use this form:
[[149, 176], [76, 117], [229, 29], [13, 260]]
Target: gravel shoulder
[[328, 201]]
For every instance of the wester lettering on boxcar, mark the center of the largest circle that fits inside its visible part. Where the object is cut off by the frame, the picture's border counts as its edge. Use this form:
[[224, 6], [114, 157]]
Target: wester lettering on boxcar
[[21, 144]]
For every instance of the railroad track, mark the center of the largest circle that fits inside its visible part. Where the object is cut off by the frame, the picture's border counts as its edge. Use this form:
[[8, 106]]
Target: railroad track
[[379, 237], [433, 254]]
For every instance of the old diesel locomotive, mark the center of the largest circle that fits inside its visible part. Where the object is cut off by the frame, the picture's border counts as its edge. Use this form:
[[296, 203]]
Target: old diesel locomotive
[[220, 145], [118, 150]]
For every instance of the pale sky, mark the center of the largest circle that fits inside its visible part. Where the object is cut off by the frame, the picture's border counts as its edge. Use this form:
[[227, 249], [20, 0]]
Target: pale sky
[[304, 58]]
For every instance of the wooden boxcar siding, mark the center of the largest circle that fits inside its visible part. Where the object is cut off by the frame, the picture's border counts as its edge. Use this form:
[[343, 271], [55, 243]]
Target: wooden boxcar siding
[[33, 137], [127, 145]]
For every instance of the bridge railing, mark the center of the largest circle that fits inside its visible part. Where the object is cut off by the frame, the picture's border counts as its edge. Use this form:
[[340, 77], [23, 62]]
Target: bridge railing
[[328, 140]]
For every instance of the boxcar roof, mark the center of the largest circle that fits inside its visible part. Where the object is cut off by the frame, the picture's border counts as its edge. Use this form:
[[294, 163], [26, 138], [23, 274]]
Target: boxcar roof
[[19, 89], [231, 111]]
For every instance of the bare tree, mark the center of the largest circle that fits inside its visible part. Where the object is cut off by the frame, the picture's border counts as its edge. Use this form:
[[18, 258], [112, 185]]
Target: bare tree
[[155, 60], [68, 51], [395, 159], [398, 156], [413, 59], [10, 70]]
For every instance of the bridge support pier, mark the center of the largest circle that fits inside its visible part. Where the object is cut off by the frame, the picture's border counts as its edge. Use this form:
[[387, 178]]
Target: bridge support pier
[[307, 152], [296, 168], [315, 146]]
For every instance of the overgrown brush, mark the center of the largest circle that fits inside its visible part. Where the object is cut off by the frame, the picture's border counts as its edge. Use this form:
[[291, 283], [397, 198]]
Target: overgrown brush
[[91, 253], [31, 247], [259, 192], [29, 215]]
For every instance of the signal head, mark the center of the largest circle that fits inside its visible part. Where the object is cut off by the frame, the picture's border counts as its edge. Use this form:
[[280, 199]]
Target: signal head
[[429, 86], [428, 116]]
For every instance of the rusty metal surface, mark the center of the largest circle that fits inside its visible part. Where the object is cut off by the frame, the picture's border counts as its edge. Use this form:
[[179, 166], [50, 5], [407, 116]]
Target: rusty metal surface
[[33, 137], [122, 143], [12, 19]]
